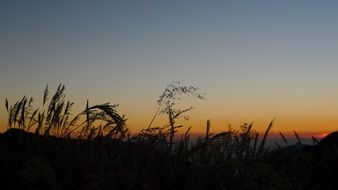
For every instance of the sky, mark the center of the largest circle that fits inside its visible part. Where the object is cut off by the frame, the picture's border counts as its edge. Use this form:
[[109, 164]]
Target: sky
[[255, 60]]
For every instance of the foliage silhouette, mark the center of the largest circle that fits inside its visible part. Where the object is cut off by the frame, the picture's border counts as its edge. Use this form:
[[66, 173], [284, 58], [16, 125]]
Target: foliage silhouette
[[47, 148], [54, 118]]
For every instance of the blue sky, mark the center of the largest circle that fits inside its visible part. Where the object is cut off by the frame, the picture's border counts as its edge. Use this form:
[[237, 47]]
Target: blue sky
[[255, 60]]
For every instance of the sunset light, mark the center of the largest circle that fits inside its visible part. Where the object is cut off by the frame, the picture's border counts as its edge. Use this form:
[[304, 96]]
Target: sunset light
[[168, 94]]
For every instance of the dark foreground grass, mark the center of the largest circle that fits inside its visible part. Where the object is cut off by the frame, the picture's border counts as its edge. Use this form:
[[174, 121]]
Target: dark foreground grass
[[47, 148]]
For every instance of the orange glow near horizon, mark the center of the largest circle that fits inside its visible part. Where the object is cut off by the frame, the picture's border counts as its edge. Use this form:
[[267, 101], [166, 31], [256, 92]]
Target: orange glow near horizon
[[287, 127], [307, 120], [251, 62], [322, 135]]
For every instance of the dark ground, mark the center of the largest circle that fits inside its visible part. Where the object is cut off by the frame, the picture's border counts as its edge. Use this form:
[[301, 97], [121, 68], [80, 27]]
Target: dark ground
[[29, 161]]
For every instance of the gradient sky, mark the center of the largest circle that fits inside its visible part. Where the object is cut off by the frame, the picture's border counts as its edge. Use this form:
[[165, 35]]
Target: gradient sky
[[255, 60]]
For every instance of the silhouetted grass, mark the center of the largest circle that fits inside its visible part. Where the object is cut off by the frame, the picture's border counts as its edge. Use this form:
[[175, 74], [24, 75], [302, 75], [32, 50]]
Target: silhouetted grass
[[49, 148], [55, 118]]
